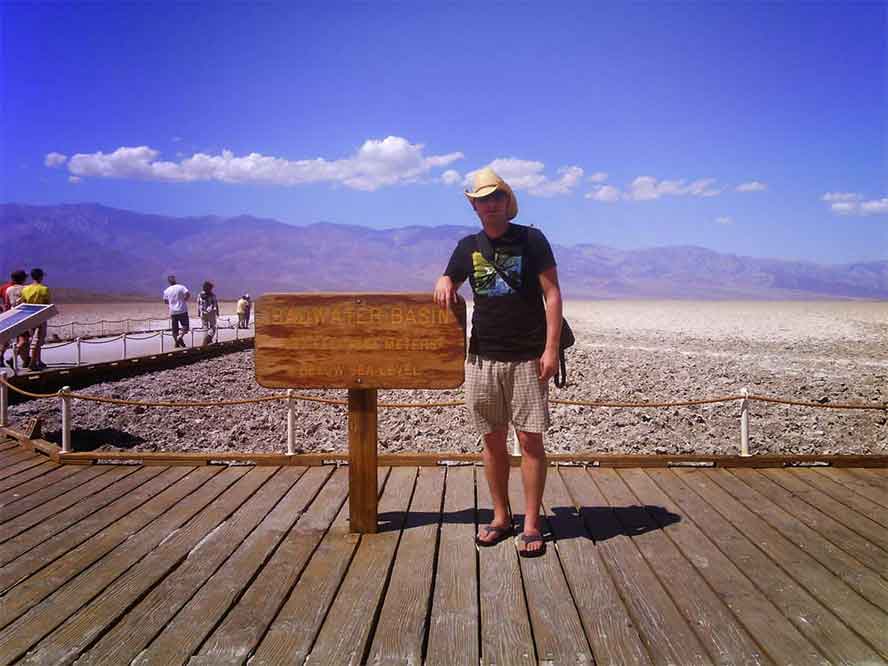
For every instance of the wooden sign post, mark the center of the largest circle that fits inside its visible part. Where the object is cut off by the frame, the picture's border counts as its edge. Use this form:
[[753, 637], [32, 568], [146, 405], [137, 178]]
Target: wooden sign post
[[361, 342]]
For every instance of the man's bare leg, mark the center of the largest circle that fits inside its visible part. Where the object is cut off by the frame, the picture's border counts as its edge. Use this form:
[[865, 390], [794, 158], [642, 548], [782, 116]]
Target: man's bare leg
[[496, 469], [533, 474]]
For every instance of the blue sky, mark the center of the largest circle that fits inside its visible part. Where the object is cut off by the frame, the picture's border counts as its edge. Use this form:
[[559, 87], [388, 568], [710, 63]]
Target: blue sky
[[755, 129]]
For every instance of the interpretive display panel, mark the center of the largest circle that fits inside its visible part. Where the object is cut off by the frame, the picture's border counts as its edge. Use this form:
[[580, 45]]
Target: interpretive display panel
[[362, 341], [23, 318]]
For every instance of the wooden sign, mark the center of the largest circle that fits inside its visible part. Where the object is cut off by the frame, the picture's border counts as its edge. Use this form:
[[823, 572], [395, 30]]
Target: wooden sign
[[365, 341], [32, 428]]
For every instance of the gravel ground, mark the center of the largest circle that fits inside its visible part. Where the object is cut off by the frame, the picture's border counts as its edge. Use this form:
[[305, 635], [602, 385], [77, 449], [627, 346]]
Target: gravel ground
[[627, 357]]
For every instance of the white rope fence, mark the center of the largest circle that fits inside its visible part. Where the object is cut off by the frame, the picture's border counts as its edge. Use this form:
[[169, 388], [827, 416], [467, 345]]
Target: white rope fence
[[98, 327], [125, 338], [65, 396]]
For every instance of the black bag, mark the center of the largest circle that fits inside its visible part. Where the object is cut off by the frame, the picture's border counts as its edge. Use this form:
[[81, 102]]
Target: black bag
[[567, 336]]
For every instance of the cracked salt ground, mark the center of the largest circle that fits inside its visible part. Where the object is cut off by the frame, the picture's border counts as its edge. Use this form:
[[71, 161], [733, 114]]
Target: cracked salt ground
[[634, 365]]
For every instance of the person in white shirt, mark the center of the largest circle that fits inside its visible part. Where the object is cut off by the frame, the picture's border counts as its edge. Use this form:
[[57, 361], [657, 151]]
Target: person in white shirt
[[176, 297]]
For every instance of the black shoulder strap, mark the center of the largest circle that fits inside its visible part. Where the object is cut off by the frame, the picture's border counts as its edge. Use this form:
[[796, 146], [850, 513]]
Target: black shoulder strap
[[485, 247]]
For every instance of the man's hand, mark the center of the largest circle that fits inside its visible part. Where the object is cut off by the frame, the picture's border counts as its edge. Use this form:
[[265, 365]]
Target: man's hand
[[548, 364], [445, 291]]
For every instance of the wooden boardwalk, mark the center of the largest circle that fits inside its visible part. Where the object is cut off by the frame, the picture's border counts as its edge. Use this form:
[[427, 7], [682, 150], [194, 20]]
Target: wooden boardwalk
[[120, 564]]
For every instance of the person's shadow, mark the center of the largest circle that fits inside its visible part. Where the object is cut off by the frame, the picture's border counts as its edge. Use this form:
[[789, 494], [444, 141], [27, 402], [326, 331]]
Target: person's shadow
[[596, 523], [85, 439]]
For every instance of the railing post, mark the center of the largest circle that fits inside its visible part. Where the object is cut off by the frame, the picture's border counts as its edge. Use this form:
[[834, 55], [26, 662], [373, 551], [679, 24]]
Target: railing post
[[102, 327], [4, 399], [291, 423], [236, 329], [744, 425], [78, 351], [127, 325], [124, 345], [66, 418], [72, 329], [192, 337]]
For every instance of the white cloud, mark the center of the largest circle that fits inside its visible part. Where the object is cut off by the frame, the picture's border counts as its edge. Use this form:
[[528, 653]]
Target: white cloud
[[725, 220], [752, 186], [841, 196], [874, 207], [598, 177], [528, 175], [852, 203], [645, 188], [53, 160], [606, 193], [377, 163], [74, 179], [451, 177]]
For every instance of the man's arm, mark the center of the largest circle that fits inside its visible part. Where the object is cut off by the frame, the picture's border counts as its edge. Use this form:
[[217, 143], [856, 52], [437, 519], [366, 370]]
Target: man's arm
[[552, 293], [445, 291]]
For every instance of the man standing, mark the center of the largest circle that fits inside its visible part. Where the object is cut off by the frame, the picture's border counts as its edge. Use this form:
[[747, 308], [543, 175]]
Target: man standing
[[513, 351], [208, 311], [176, 297], [243, 307], [37, 293]]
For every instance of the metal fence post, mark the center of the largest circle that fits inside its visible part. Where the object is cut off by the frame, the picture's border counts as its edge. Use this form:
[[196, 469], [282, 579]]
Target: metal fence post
[[291, 423], [66, 418], [4, 399], [192, 337], [744, 425], [102, 327], [78, 351], [162, 333], [236, 329], [127, 325], [124, 345]]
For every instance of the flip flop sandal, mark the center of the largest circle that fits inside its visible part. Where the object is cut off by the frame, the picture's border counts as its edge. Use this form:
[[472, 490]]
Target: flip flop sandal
[[526, 539], [500, 534]]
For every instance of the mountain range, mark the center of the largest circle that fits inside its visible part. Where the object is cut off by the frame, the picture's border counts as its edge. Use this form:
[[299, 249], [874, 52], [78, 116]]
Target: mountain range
[[92, 248]]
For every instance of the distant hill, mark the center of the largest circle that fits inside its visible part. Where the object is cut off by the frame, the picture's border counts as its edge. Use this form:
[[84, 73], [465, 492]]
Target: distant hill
[[106, 251]]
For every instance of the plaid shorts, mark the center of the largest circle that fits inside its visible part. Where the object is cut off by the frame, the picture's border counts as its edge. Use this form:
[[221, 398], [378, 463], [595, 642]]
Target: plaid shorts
[[499, 392]]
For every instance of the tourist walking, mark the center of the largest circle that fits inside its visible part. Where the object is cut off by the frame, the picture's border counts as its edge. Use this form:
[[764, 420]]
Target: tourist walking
[[13, 298], [208, 311], [247, 311], [243, 310], [176, 297], [513, 350], [37, 293]]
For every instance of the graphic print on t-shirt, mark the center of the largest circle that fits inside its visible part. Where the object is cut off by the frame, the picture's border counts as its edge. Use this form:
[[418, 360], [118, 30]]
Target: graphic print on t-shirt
[[487, 282]]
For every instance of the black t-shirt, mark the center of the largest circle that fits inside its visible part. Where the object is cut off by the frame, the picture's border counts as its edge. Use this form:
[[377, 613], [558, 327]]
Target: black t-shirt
[[506, 325]]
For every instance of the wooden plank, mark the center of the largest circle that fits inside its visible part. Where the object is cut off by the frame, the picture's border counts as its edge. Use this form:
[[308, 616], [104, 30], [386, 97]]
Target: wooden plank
[[557, 631], [862, 482], [161, 515], [725, 639], [7, 443], [359, 341], [81, 495], [291, 635], [865, 582], [9, 461], [833, 482], [608, 626], [793, 502], [453, 625], [362, 449], [127, 574], [181, 637], [177, 614], [36, 485], [23, 508], [68, 539], [19, 478], [506, 635], [401, 628], [863, 526], [661, 625], [814, 619], [344, 637], [14, 470], [239, 633], [60, 513], [776, 635]]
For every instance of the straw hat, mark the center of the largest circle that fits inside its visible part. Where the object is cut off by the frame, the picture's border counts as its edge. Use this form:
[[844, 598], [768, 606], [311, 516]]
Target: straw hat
[[486, 181]]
